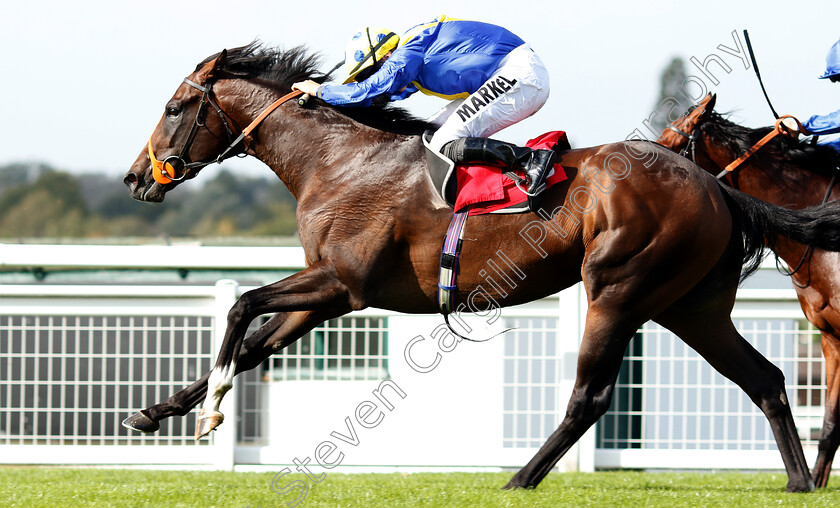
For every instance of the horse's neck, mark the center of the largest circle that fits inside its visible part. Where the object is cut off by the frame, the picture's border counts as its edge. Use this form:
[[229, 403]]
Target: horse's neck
[[787, 184], [318, 160]]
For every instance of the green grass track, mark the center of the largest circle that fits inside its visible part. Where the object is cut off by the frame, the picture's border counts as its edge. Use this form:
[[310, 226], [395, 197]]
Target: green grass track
[[57, 487]]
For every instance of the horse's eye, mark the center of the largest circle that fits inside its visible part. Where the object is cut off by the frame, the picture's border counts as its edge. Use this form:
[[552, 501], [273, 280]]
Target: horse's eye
[[173, 111]]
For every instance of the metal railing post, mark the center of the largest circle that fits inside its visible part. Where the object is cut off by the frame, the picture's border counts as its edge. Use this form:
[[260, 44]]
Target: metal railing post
[[224, 438]]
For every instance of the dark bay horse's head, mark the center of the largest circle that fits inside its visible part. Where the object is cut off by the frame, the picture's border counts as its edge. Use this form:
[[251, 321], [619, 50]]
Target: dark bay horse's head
[[241, 87], [681, 134], [192, 133]]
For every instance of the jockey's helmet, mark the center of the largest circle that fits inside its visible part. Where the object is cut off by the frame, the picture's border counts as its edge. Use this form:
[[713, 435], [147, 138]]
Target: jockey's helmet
[[832, 62], [367, 48]]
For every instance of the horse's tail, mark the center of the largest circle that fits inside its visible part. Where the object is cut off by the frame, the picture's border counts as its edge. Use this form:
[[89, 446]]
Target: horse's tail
[[762, 224]]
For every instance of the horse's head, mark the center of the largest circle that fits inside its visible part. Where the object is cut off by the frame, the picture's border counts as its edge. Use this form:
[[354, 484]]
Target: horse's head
[[243, 86], [681, 135], [192, 133]]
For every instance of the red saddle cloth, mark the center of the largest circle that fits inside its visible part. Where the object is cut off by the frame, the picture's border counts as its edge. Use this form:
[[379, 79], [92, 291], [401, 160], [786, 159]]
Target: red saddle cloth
[[487, 189]]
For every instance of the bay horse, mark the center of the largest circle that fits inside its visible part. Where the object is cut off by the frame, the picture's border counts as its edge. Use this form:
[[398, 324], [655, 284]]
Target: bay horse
[[651, 235], [793, 174]]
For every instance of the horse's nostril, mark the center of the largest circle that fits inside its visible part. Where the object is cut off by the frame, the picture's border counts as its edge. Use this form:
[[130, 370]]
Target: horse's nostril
[[130, 179]]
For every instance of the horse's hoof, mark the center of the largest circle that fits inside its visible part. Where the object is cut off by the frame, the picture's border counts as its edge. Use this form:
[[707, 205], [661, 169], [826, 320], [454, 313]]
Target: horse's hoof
[[207, 421], [512, 486], [800, 487], [516, 483], [140, 422]]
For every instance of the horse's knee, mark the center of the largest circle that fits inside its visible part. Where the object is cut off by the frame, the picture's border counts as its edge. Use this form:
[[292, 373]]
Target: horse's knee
[[240, 310]]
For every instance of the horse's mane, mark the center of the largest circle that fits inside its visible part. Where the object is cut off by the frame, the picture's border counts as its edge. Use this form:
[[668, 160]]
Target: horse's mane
[[780, 151], [281, 68]]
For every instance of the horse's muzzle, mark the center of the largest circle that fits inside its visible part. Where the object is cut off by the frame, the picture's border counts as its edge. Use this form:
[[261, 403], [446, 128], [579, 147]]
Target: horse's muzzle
[[141, 188], [130, 180]]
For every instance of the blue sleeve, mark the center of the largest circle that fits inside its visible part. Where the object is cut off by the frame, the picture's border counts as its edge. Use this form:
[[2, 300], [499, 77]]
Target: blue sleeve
[[834, 143], [823, 124], [392, 78]]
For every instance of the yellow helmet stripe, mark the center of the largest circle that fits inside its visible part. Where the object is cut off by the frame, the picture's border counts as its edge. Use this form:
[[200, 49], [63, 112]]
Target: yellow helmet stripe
[[373, 49]]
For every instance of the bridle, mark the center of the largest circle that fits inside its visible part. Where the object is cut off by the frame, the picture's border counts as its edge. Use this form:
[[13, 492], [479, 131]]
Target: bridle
[[691, 146], [175, 168], [168, 170]]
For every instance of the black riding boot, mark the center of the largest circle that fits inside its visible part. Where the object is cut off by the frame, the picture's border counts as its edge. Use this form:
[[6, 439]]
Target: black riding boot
[[535, 163]]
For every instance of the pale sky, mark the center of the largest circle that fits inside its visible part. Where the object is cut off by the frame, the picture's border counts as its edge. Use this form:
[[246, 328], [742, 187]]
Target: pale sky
[[84, 83]]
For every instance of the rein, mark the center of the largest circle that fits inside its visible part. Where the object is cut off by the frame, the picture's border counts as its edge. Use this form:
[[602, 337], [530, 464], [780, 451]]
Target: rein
[[258, 120], [167, 170], [777, 129]]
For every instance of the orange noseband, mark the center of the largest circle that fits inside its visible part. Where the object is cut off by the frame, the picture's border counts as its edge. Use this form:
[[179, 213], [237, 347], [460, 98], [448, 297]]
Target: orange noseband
[[158, 173]]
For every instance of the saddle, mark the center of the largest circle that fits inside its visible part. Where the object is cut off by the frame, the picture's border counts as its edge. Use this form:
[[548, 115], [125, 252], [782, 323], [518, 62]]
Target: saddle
[[484, 187]]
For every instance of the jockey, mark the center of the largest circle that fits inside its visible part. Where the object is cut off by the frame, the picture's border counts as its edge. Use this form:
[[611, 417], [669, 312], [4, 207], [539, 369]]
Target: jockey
[[493, 77], [830, 123]]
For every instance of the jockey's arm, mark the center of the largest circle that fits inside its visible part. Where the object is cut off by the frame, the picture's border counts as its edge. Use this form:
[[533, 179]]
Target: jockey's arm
[[823, 124], [393, 77]]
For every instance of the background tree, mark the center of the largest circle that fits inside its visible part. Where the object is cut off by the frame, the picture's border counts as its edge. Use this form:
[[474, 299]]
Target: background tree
[[37, 201], [670, 89]]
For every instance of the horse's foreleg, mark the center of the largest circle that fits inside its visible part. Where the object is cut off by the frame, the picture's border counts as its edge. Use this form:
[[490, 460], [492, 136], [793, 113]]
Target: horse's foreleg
[[316, 288], [830, 435], [602, 349], [305, 299], [254, 350]]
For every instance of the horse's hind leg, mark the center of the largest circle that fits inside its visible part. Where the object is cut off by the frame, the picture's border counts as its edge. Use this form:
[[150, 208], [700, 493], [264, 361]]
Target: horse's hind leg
[[602, 349], [712, 334], [830, 435]]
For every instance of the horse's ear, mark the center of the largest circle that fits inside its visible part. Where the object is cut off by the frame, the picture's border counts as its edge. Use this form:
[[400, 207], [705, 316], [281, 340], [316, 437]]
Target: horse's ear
[[707, 104], [207, 70]]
